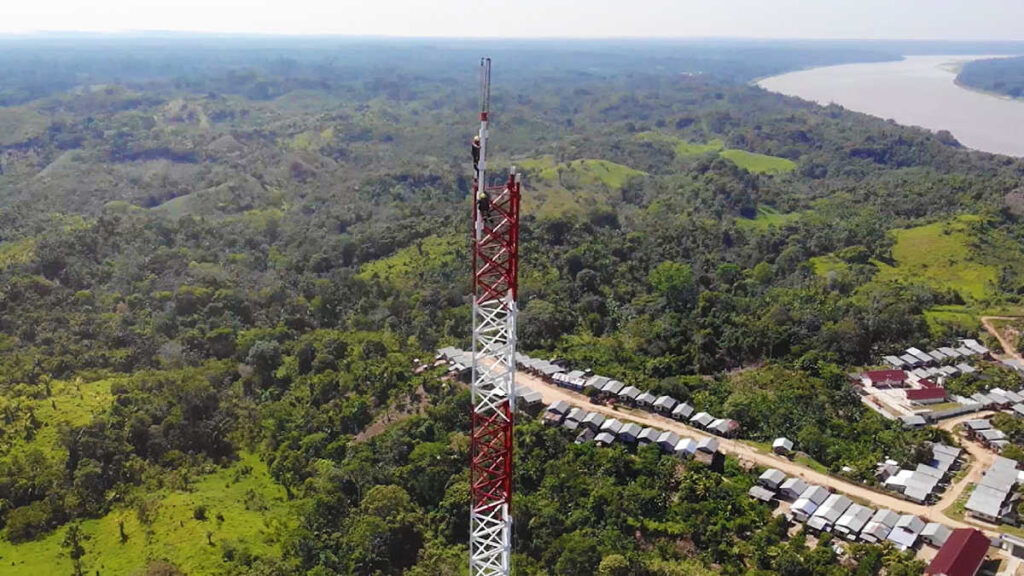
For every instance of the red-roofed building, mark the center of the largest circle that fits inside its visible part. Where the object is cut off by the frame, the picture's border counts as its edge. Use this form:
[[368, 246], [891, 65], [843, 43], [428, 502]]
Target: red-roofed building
[[927, 383], [885, 378], [961, 555], [927, 395]]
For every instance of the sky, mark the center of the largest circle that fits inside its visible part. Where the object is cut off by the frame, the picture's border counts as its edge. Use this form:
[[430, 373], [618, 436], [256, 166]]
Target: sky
[[850, 19]]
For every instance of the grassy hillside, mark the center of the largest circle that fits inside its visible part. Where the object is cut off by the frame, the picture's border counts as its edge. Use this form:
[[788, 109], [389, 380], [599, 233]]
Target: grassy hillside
[[766, 218], [939, 254], [557, 188], [243, 495], [759, 163], [405, 268]]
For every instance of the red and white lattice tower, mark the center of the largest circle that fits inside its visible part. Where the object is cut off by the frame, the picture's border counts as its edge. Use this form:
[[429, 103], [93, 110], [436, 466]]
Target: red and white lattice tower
[[495, 275]]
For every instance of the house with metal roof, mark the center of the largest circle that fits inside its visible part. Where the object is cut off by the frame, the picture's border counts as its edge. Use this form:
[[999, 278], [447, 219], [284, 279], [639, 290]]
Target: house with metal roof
[[593, 420], [879, 526], [613, 387], [911, 421], [629, 394], [596, 383], [853, 521], [965, 351], [577, 414], [974, 345], [708, 445], [771, 478], [808, 502], [645, 399], [648, 436], [920, 355], [761, 493], [950, 352], [962, 554], [904, 534], [792, 488], [825, 517], [570, 424], [682, 411], [686, 447], [894, 361], [630, 433], [1013, 397], [560, 407], [664, 404], [910, 361], [611, 426], [667, 441], [926, 395], [552, 418], [937, 356], [585, 436], [884, 378], [724, 427], [988, 503], [604, 439], [966, 368], [935, 534], [701, 419], [782, 445]]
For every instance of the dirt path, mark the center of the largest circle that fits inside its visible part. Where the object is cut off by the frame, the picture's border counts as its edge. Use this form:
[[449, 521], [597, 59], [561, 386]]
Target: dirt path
[[982, 460], [551, 393], [1008, 348]]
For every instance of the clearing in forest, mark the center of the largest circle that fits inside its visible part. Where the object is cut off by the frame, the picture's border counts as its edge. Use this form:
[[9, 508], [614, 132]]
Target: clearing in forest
[[940, 255], [240, 504]]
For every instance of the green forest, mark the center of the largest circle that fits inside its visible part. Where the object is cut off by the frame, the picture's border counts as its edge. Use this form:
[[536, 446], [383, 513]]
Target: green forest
[[219, 263], [1000, 75]]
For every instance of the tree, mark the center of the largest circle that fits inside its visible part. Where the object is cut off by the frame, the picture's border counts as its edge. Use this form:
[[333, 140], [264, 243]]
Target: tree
[[265, 358], [613, 565], [73, 545]]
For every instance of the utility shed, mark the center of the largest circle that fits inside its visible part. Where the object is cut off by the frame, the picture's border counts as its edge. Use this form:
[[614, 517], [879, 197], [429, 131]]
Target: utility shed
[[782, 445], [829, 512], [852, 521], [771, 479], [961, 555]]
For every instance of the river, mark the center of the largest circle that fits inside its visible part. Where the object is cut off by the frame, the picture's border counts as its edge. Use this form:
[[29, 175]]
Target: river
[[917, 91]]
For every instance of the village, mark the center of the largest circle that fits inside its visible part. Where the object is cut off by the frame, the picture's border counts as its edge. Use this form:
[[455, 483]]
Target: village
[[910, 507]]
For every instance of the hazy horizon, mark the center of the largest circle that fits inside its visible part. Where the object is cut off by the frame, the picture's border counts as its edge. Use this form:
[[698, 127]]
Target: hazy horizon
[[918, 20]]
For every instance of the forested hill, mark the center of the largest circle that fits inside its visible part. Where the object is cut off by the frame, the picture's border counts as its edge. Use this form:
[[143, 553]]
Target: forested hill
[[217, 273], [1000, 75]]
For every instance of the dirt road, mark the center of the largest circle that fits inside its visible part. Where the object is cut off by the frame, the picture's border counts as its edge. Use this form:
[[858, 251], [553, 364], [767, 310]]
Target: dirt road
[[551, 393], [1008, 348], [982, 460]]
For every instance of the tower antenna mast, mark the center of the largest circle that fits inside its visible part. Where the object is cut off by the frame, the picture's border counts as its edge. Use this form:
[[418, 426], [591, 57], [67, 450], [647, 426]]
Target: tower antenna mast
[[495, 278]]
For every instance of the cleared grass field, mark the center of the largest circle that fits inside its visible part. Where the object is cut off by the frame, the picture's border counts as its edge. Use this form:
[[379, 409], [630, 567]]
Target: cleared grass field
[[749, 161], [766, 218], [243, 494], [404, 267], [554, 188], [939, 255], [759, 163], [961, 317]]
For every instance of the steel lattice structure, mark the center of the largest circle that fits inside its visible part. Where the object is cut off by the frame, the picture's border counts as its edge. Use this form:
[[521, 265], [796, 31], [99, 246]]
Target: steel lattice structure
[[495, 275]]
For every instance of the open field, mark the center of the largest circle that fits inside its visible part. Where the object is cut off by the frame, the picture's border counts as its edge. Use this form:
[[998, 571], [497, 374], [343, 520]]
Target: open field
[[759, 163], [243, 495], [766, 218], [939, 254]]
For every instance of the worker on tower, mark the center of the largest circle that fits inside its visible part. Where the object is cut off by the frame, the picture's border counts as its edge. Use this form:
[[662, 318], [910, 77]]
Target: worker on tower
[[483, 206], [475, 149]]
